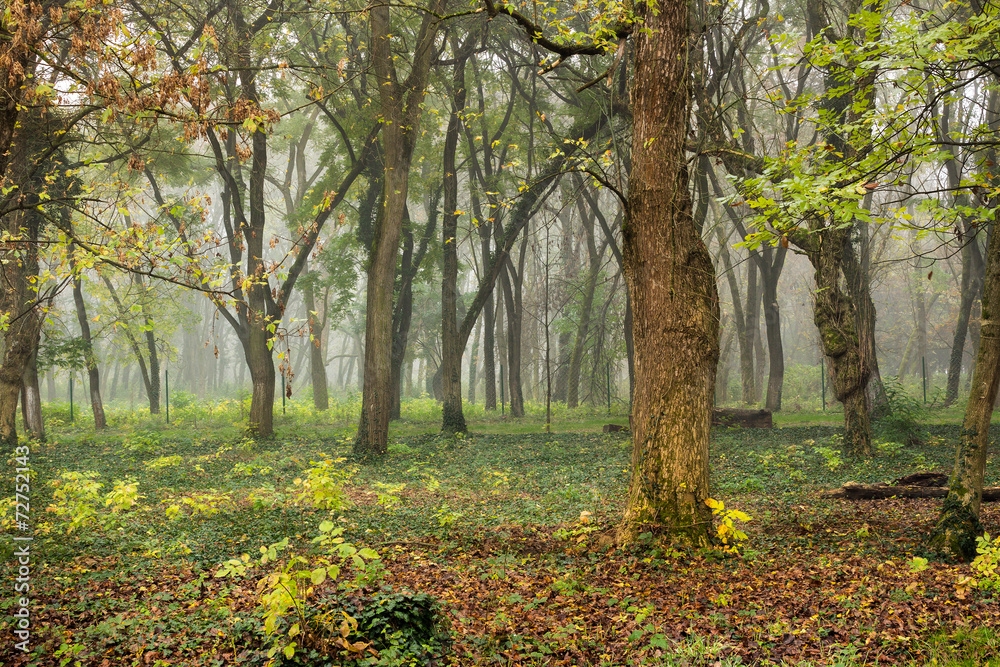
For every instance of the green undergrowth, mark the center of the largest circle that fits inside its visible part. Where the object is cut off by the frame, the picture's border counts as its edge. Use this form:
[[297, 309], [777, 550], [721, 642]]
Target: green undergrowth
[[496, 547]]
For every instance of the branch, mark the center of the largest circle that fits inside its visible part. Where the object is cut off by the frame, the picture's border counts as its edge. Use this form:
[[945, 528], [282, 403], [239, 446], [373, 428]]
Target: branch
[[534, 32]]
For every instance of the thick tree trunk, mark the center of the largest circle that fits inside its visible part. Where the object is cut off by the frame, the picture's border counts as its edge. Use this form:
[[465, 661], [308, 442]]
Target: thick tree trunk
[[260, 363], [958, 524], [19, 310], [857, 273], [675, 305], [825, 241], [834, 315]]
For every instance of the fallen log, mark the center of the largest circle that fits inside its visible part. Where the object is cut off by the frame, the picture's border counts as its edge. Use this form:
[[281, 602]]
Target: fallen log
[[923, 479], [740, 417], [880, 491]]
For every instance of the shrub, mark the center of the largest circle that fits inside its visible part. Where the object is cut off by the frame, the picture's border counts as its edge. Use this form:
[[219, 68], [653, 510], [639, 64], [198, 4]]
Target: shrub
[[898, 419], [405, 628]]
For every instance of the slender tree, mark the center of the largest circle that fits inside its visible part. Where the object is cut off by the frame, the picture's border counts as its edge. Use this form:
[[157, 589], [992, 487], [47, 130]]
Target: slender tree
[[401, 105]]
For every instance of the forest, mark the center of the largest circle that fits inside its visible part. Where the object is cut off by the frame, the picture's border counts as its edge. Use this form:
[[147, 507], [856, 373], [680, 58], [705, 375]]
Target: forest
[[542, 332]]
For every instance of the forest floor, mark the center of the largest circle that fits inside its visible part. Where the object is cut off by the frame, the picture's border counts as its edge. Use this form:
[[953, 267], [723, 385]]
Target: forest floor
[[508, 529]]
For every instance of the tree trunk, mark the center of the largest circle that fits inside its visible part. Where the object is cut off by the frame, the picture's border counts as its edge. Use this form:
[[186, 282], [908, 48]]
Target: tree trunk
[[834, 315], [317, 348], [31, 400], [512, 301], [725, 363], [958, 523], [751, 335], [772, 320], [826, 241], [583, 330], [857, 273], [402, 316], [474, 365], [489, 354], [675, 305], [743, 336], [452, 347], [400, 107], [153, 380], [93, 375], [855, 491], [560, 390], [972, 282], [19, 255]]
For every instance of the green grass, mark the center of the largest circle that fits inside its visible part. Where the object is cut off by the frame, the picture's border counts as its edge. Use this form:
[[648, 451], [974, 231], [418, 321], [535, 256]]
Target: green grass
[[508, 527]]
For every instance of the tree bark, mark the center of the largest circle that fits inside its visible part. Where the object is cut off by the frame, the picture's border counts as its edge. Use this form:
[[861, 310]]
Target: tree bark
[[31, 399], [19, 296], [401, 105], [772, 321], [452, 347], [958, 523], [675, 304], [834, 315]]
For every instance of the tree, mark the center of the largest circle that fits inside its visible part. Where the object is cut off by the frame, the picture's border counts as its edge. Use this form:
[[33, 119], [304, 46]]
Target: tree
[[958, 522], [149, 363], [32, 35], [671, 282], [832, 202], [453, 419], [225, 106], [670, 277], [93, 373], [400, 105]]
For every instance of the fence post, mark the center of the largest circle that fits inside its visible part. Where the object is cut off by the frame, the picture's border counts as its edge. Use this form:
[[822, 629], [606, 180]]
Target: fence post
[[71, 397], [166, 383], [282, 393]]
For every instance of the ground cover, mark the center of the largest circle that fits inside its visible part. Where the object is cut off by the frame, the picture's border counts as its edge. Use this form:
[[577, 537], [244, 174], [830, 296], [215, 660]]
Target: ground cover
[[494, 548]]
